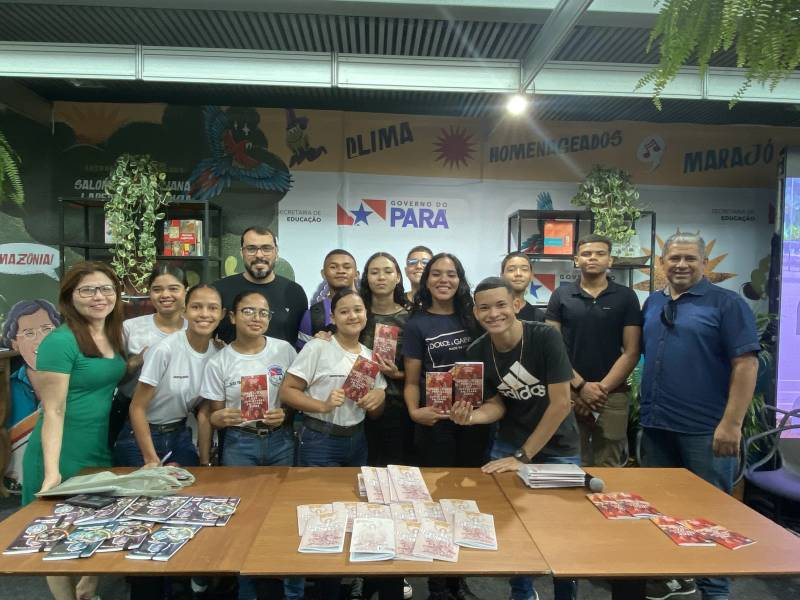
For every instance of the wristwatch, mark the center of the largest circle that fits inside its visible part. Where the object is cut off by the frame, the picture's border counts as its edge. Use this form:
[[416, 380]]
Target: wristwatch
[[521, 456]]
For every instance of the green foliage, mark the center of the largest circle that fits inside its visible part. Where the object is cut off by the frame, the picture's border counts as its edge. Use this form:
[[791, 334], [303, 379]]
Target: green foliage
[[136, 187], [10, 181], [611, 196], [765, 33]]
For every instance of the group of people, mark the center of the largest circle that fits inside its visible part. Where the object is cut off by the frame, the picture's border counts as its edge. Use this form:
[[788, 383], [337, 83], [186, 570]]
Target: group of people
[[156, 388]]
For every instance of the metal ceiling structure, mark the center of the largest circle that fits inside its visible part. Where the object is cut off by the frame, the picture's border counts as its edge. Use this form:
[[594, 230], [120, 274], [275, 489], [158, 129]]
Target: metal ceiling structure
[[457, 57]]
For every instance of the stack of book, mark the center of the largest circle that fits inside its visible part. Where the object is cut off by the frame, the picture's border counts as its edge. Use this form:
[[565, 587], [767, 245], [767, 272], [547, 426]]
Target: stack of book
[[552, 476]]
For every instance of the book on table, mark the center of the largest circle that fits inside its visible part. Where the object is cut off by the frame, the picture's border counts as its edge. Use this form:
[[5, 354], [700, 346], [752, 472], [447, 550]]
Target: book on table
[[719, 534], [158, 509], [403, 511], [375, 492], [254, 390], [126, 535], [208, 511], [351, 508], [324, 533], [622, 505], [163, 544], [435, 540], [409, 483], [81, 542], [425, 509], [450, 506], [40, 535], [405, 535], [680, 533], [306, 511], [385, 342], [371, 510], [372, 540], [439, 391], [474, 530], [109, 513], [361, 378], [552, 475]]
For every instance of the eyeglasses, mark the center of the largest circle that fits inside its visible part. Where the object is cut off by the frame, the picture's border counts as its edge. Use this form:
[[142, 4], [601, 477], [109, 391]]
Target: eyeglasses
[[31, 334], [253, 250], [88, 291], [669, 313], [413, 262], [262, 313]]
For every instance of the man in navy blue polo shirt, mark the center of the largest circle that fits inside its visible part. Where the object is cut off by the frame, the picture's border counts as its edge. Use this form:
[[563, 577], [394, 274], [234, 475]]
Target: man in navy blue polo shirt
[[699, 375]]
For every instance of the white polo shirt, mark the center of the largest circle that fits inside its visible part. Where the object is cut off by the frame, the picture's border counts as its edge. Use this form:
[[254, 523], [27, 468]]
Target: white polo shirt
[[140, 333]]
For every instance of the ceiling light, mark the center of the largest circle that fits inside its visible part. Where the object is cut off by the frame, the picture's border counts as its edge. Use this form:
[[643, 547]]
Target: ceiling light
[[517, 104]]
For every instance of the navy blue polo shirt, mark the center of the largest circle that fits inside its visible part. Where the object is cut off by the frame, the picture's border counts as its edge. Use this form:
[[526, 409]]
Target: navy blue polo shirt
[[687, 366]]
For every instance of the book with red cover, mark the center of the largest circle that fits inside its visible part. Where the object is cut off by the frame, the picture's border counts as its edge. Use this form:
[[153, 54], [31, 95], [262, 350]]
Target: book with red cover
[[385, 343], [468, 382], [609, 506], [255, 398], [680, 533], [361, 379], [439, 391], [558, 237], [721, 535]]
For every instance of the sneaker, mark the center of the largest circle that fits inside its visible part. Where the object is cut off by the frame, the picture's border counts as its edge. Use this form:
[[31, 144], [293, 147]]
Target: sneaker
[[408, 591], [660, 589], [357, 588]]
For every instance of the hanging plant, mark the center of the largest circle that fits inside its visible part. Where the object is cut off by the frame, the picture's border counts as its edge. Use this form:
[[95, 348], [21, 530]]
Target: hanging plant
[[10, 181], [612, 198], [137, 191], [765, 33]]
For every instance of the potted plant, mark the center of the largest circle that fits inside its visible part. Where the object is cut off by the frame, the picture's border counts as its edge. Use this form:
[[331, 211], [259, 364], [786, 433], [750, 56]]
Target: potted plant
[[10, 181], [137, 190], [613, 200]]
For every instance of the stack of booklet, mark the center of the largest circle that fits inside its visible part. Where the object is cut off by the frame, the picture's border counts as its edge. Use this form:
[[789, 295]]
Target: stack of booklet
[[552, 475]]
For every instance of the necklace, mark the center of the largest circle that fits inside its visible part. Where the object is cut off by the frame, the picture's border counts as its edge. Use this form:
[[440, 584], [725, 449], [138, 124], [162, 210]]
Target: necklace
[[494, 360]]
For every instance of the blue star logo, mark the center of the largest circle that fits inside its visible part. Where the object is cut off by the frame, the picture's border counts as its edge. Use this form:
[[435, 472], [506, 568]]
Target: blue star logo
[[533, 289], [361, 215]]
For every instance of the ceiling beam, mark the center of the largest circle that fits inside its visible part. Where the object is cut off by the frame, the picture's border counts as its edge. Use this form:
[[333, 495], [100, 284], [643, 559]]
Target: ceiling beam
[[318, 69], [23, 101]]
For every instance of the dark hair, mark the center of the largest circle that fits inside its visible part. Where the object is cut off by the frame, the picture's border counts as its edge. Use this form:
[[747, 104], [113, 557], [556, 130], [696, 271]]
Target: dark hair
[[260, 231], [492, 283], [336, 251], [462, 301], [77, 322], [343, 293], [594, 238], [399, 294], [419, 249], [514, 255], [242, 295], [23, 308], [201, 286], [167, 269]]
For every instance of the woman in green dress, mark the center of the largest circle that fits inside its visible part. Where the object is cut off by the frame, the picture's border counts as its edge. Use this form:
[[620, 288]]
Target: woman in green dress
[[79, 366]]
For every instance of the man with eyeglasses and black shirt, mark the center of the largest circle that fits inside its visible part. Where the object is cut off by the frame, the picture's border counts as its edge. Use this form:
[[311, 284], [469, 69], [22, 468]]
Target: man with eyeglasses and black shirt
[[700, 366], [416, 261], [286, 298]]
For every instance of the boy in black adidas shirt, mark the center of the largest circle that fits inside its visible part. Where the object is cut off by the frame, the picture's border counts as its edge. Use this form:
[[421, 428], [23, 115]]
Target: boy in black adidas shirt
[[526, 388]]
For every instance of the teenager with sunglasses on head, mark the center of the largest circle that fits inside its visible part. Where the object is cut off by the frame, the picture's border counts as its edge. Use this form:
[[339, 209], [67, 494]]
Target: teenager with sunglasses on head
[[436, 337]]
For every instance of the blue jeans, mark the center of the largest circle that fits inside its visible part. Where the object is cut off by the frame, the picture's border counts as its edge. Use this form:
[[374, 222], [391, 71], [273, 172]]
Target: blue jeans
[[317, 449], [662, 448], [244, 449], [522, 585], [184, 452]]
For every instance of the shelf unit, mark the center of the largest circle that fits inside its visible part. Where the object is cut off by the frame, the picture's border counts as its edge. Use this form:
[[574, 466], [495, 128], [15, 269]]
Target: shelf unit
[[209, 213], [527, 225]]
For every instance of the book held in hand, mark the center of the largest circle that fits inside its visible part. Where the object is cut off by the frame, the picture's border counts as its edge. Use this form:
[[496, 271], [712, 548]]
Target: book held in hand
[[719, 534], [474, 530], [324, 533], [82, 542], [126, 535], [373, 539], [40, 535], [679, 532], [439, 391], [255, 398], [435, 540], [164, 543], [361, 379], [385, 342], [468, 383]]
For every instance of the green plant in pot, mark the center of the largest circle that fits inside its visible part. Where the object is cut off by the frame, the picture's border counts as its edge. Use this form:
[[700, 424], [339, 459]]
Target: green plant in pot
[[137, 191], [613, 201], [10, 181]]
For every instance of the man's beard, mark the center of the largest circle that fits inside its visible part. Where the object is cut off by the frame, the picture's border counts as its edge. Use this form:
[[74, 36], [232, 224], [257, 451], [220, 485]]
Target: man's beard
[[259, 270]]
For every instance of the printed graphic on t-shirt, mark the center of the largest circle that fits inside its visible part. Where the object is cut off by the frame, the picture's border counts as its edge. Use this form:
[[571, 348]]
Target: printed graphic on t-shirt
[[518, 384], [275, 374], [446, 349]]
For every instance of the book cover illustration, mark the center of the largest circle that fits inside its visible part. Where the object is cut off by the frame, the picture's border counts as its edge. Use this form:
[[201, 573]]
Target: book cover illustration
[[403, 511], [306, 511], [372, 485], [609, 506], [388, 491], [450, 506], [183, 237], [82, 542], [207, 511], [351, 508], [159, 509], [324, 533], [69, 513], [254, 391], [164, 543], [385, 342], [719, 534], [366, 510], [435, 540], [636, 506], [409, 483], [361, 379], [373, 539], [425, 509], [468, 383], [126, 535], [405, 535], [439, 391], [109, 513], [679, 532], [40, 535], [559, 237], [474, 530]]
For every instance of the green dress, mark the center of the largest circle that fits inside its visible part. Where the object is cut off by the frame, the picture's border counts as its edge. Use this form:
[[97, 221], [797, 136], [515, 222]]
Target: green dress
[[91, 387]]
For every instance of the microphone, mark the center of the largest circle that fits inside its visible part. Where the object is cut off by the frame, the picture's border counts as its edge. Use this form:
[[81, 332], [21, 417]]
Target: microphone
[[594, 484]]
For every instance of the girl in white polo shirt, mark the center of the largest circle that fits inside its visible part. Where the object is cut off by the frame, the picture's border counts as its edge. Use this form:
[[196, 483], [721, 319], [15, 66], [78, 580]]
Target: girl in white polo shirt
[[169, 390]]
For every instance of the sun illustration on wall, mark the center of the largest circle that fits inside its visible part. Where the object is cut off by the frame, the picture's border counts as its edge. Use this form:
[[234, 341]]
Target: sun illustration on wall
[[454, 147], [660, 277]]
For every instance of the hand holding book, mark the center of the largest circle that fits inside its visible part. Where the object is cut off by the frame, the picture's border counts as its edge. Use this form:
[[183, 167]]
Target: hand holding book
[[274, 417], [372, 400], [335, 399], [461, 412]]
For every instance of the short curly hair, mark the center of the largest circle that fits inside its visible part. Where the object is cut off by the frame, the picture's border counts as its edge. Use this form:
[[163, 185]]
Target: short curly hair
[[23, 308]]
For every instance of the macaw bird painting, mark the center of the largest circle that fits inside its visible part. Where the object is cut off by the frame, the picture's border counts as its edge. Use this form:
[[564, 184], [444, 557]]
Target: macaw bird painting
[[239, 152]]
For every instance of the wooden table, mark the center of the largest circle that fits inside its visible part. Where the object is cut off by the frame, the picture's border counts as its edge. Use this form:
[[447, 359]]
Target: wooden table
[[274, 549], [214, 550], [577, 541]]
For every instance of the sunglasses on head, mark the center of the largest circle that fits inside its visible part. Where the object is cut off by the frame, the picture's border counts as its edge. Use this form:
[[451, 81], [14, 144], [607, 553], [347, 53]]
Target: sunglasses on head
[[669, 313]]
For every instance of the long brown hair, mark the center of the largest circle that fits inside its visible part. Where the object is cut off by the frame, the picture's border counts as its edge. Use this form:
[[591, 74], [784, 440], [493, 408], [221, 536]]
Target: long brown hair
[[77, 323]]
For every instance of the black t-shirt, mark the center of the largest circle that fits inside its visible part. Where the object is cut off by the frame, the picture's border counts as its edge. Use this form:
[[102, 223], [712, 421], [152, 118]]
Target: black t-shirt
[[592, 327], [394, 387], [439, 341], [529, 312], [521, 377], [286, 299]]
